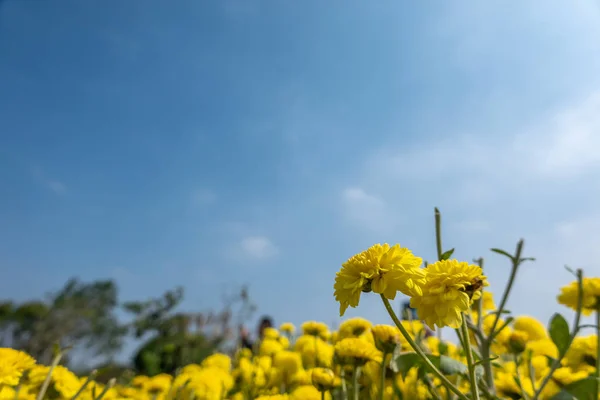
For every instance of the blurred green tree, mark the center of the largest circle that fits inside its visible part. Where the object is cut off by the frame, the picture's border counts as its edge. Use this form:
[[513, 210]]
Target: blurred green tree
[[80, 314], [175, 339]]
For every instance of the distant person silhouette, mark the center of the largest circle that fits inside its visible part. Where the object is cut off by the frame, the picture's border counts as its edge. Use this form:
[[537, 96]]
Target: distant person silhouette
[[246, 342]]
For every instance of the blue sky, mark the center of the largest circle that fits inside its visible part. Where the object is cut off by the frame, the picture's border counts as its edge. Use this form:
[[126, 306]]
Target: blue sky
[[215, 143]]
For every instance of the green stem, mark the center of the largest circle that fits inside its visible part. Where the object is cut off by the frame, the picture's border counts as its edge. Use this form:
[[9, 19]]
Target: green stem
[[383, 367], [438, 233], [557, 362], [597, 374], [438, 246], [519, 380], [470, 361], [516, 261], [355, 382], [323, 395], [382, 381], [344, 384], [420, 351], [46, 383]]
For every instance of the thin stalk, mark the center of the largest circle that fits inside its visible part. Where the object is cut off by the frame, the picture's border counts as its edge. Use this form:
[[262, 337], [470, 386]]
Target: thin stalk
[[383, 368], [531, 370], [470, 361], [420, 351], [46, 383], [17, 390], [557, 362], [438, 233], [110, 384], [344, 384], [89, 379], [355, 381], [323, 395], [519, 380], [438, 246], [516, 260], [597, 373]]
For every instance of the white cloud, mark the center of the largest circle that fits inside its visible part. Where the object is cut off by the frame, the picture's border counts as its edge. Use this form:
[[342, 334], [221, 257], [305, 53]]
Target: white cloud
[[204, 197], [566, 145], [258, 247], [364, 209], [56, 186], [538, 184]]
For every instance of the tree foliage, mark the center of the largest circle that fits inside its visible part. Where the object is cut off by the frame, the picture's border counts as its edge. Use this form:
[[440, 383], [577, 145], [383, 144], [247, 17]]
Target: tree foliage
[[80, 314]]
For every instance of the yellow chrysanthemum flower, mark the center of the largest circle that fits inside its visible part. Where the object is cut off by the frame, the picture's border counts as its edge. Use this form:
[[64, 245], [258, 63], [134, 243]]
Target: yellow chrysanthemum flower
[[288, 328], [582, 353], [273, 397], [534, 329], [381, 269], [591, 295], [307, 392], [314, 328], [450, 288], [353, 327], [386, 337], [270, 333], [517, 342], [217, 360], [356, 351], [269, 347], [488, 303], [323, 379], [12, 365]]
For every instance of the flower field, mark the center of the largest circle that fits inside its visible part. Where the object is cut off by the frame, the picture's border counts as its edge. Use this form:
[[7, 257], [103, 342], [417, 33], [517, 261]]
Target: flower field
[[500, 356]]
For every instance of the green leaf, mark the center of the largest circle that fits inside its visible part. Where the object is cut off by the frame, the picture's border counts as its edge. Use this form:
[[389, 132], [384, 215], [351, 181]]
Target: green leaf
[[478, 362], [447, 254], [559, 332], [504, 253], [405, 362], [479, 372], [447, 365], [443, 348], [580, 390]]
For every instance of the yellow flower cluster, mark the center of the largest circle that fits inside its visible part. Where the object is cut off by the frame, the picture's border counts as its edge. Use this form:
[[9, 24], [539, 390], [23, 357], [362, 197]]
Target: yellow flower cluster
[[321, 363], [440, 293], [360, 360]]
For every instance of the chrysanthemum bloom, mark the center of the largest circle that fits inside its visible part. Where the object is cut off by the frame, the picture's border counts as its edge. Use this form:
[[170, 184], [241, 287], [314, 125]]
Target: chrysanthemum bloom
[[323, 379], [381, 269], [488, 303], [159, 383], [517, 342], [268, 347], [307, 392], [560, 378], [353, 327], [273, 397], [387, 337], [12, 365], [218, 360], [591, 295], [314, 328], [542, 347], [270, 333], [315, 351], [450, 289], [287, 327], [534, 329], [581, 356], [66, 383], [288, 362], [356, 351]]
